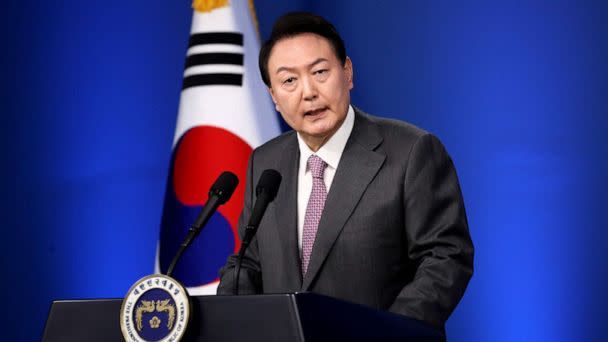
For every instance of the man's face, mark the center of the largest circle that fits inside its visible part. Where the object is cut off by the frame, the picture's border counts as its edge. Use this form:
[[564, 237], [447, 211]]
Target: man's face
[[309, 86]]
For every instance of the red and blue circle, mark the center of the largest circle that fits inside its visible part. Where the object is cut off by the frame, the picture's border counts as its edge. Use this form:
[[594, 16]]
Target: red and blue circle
[[200, 156]]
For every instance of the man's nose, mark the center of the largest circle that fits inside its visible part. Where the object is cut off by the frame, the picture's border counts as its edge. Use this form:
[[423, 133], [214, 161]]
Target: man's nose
[[309, 89]]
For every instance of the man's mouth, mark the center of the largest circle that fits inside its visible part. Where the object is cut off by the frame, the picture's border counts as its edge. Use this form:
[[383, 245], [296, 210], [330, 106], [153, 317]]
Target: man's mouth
[[315, 112]]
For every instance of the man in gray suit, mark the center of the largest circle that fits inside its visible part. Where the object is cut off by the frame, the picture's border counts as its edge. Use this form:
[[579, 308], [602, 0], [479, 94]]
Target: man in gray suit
[[369, 210]]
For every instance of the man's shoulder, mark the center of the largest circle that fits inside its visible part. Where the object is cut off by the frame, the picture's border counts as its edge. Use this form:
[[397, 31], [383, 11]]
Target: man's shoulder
[[278, 145], [392, 130]]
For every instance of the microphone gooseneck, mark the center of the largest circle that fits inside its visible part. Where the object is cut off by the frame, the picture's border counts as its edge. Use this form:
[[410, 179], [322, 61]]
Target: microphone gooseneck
[[266, 191], [220, 193]]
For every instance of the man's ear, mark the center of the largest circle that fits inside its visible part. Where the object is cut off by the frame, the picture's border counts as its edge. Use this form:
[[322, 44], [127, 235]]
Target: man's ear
[[276, 104], [348, 70]]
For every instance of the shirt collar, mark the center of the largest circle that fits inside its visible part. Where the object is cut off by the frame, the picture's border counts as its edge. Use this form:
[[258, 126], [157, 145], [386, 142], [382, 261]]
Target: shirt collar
[[331, 151]]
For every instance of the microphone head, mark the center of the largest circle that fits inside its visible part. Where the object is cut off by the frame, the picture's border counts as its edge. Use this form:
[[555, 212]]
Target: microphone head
[[224, 186], [269, 183]]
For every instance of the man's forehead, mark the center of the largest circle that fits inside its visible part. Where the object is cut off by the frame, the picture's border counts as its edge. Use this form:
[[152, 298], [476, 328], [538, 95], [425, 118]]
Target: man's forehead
[[303, 65], [303, 50]]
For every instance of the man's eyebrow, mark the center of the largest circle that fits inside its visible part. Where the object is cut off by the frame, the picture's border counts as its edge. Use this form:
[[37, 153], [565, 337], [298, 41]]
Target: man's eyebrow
[[317, 61]]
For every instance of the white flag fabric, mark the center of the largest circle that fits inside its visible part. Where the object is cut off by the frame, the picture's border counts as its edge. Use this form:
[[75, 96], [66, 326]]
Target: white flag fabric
[[224, 112]]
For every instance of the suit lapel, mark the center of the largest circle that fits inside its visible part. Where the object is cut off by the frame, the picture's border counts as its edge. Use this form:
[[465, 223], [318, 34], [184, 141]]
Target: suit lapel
[[286, 210], [358, 166]]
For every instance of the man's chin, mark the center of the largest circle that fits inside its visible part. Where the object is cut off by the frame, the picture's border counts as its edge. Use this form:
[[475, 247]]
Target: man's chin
[[317, 137], [316, 133]]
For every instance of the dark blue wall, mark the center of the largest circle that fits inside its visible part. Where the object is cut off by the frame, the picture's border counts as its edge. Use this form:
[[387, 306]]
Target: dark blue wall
[[517, 92]]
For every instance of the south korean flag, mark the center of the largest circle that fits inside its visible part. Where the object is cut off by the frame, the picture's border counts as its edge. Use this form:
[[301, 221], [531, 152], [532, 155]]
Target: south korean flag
[[224, 113]]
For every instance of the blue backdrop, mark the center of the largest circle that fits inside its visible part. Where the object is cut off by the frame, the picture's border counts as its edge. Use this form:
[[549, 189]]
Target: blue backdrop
[[518, 93]]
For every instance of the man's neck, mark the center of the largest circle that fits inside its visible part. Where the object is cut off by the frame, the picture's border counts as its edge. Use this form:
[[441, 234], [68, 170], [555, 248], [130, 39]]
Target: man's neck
[[315, 143]]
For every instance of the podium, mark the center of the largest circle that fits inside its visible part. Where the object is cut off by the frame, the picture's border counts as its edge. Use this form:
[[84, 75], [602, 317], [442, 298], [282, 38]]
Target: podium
[[301, 317]]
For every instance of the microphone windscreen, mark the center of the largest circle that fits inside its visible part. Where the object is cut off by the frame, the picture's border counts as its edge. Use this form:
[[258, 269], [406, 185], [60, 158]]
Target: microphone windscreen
[[269, 182], [224, 186]]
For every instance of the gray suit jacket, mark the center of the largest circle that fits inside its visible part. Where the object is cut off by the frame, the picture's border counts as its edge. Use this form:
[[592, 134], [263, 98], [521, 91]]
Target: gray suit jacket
[[393, 234]]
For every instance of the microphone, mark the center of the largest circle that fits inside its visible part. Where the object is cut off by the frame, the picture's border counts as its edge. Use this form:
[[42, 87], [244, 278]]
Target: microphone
[[266, 191], [220, 193]]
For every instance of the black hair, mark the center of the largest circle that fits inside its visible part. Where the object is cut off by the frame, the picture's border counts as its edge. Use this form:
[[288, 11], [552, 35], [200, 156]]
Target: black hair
[[293, 24]]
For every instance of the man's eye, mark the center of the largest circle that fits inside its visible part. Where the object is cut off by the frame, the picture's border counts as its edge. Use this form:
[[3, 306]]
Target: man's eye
[[289, 80], [320, 72]]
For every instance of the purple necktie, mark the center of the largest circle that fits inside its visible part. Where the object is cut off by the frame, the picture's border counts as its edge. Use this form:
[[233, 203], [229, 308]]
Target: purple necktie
[[316, 202]]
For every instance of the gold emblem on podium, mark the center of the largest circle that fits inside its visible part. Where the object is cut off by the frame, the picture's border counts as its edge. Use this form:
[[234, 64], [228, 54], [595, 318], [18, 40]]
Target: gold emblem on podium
[[156, 308]]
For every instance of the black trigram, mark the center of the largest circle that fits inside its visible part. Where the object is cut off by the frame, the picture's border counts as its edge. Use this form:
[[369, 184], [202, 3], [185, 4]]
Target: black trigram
[[195, 72]]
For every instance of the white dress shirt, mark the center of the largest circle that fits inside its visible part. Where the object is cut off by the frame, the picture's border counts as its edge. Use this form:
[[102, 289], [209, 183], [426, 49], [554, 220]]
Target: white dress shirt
[[330, 152]]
